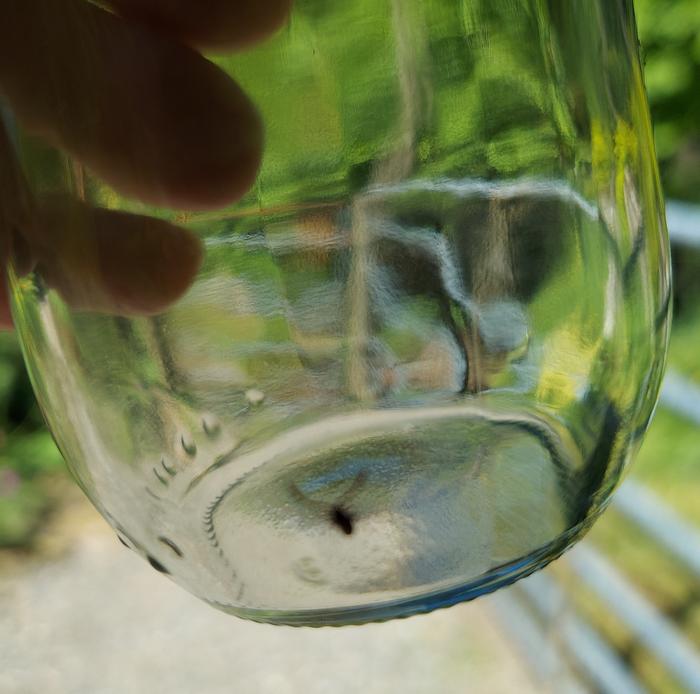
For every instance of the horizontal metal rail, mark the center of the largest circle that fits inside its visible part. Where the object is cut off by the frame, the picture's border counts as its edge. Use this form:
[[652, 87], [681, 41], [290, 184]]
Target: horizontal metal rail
[[683, 223], [585, 648], [535, 644], [647, 623], [681, 395], [661, 523]]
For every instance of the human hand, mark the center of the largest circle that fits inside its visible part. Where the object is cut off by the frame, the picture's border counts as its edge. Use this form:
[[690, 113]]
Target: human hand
[[126, 93]]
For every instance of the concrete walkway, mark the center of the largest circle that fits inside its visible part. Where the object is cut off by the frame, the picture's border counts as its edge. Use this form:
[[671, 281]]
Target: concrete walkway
[[99, 620]]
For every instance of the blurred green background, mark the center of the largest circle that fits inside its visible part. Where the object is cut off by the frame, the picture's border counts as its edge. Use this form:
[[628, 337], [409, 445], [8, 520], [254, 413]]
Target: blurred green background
[[670, 35], [30, 465]]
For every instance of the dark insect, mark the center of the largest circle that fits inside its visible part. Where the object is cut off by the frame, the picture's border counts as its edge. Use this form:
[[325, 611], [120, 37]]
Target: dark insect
[[342, 519], [336, 513]]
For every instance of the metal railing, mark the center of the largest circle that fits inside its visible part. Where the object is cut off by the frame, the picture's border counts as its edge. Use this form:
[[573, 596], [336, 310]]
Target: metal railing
[[564, 648]]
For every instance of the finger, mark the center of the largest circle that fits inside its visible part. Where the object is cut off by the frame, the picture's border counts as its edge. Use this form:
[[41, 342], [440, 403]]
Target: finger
[[214, 24], [112, 262], [96, 259], [149, 116]]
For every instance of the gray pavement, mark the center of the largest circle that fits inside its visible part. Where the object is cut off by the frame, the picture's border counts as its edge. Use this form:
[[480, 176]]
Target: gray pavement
[[99, 620]]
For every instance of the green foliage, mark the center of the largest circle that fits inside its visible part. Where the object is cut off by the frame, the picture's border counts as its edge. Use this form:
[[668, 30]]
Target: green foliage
[[22, 508], [670, 35], [27, 452]]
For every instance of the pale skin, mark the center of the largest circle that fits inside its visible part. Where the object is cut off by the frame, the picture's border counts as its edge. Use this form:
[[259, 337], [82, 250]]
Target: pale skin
[[126, 92]]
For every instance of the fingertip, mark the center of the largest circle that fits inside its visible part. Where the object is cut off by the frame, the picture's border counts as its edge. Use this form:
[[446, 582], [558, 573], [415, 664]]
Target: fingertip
[[113, 262], [265, 20], [211, 25], [212, 185], [145, 264], [197, 143]]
